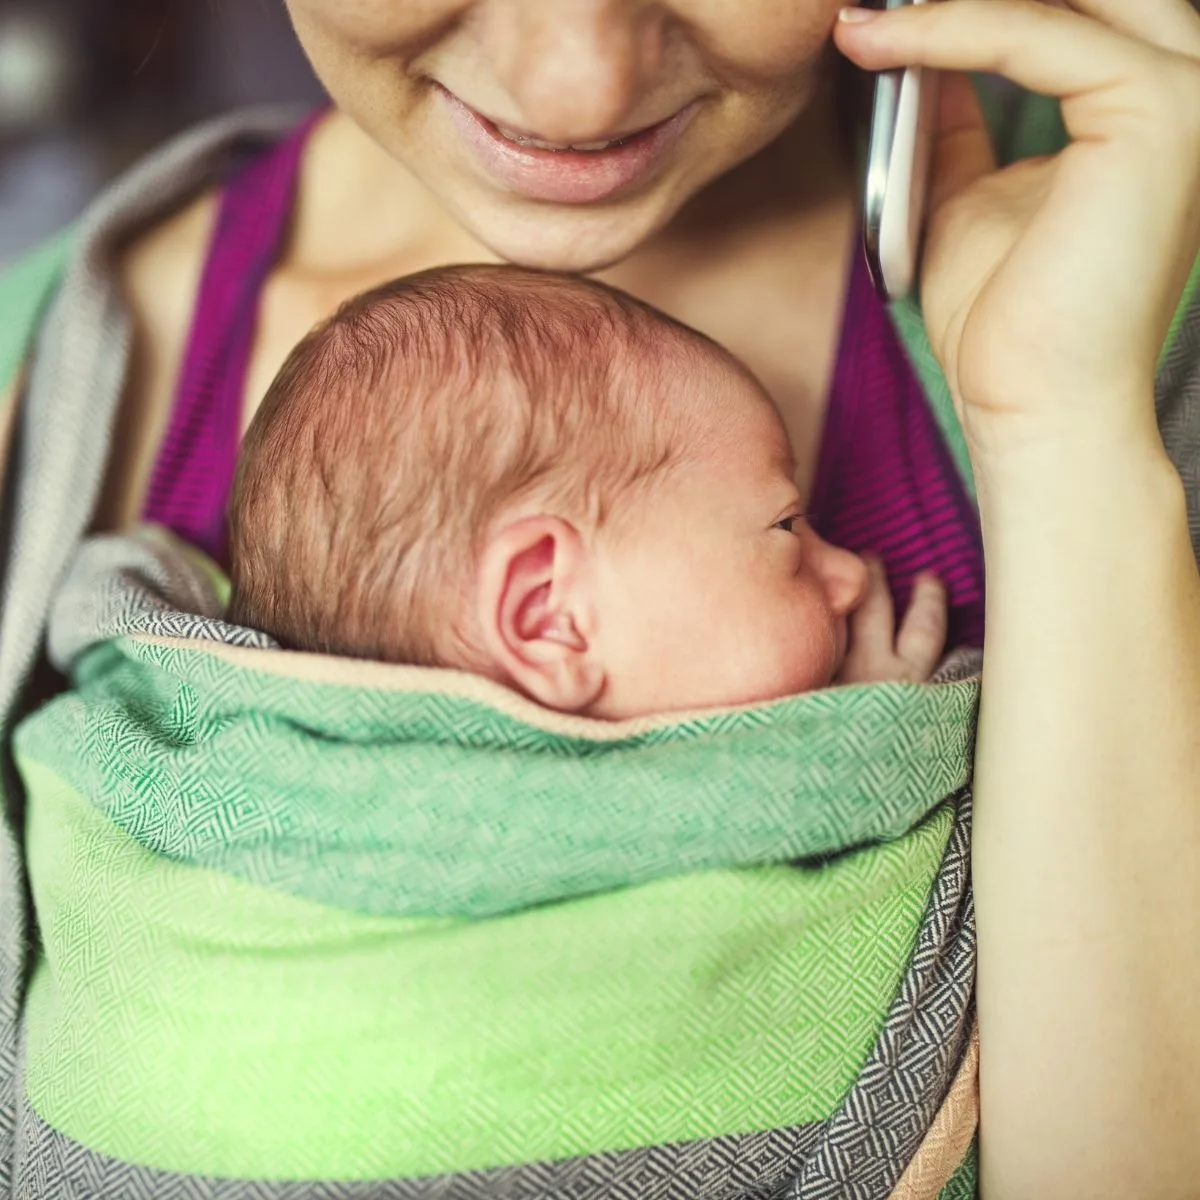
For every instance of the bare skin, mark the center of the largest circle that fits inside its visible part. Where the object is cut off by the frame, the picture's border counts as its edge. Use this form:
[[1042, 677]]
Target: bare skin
[[769, 285]]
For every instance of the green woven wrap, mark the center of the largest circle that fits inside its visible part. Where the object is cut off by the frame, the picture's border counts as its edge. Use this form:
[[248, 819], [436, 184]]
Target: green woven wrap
[[500, 936], [467, 918]]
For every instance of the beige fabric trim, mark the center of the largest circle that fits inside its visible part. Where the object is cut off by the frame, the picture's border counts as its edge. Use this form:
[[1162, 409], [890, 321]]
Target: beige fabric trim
[[945, 1145], [9, 397], [342, 672], [389, 677], [353, 672]]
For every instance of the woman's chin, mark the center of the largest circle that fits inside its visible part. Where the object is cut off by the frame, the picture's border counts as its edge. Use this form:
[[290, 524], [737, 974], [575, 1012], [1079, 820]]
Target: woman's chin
[[558, 237]]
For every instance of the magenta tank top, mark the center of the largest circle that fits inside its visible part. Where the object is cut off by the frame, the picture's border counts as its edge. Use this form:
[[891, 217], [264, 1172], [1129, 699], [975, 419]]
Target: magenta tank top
[[193, 474], [885, 481]]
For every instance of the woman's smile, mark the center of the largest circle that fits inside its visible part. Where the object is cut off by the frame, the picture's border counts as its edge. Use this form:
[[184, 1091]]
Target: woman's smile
[[564, 173]]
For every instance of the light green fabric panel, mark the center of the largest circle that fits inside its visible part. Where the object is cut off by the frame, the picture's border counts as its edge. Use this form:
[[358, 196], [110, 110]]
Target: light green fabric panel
[[184, 1020]]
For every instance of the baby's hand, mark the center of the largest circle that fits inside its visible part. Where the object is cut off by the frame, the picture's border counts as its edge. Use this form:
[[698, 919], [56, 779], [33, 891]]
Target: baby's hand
[[879, 652]]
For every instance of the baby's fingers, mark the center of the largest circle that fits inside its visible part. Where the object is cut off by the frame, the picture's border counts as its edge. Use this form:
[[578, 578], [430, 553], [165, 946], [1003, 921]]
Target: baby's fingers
[[921, 640], [871, 654], [873, 623]]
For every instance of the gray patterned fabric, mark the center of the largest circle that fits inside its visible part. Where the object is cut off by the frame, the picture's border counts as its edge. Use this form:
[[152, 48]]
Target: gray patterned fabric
[[142, 583], [1178, 402]]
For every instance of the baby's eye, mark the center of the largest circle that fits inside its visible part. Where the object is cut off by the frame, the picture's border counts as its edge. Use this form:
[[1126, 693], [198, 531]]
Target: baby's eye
[[788, 524]]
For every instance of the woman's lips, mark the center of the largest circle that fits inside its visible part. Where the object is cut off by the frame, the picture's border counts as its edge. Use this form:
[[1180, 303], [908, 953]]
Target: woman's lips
[[566, 176]]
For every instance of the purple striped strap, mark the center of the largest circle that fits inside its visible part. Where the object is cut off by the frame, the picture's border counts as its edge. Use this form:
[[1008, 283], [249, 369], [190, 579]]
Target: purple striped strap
[[886, 483], [193, 474]]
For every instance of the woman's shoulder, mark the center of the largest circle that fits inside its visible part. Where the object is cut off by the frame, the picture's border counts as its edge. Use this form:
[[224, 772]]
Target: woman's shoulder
[[160, 262], [152, 223], [156, 270], [158, 220]]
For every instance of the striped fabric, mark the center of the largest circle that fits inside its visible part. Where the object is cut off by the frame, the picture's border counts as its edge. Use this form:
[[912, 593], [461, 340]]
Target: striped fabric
[[886, 483], [194, 470]]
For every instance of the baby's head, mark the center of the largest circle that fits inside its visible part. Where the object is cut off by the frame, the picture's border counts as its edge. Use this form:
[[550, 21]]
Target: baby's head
[[542, 480]]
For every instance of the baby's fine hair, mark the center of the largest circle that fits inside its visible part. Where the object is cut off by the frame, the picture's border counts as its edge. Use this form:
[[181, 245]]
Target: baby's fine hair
[[399, 429]]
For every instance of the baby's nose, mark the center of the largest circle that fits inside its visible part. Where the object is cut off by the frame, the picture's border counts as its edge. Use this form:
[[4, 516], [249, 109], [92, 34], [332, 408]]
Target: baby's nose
[[845, 576]]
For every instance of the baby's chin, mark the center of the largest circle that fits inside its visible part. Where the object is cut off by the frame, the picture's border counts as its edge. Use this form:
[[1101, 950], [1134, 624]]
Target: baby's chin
[[815, 670]]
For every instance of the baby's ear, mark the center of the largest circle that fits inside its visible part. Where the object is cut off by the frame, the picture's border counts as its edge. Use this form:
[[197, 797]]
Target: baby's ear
[[535, 612]]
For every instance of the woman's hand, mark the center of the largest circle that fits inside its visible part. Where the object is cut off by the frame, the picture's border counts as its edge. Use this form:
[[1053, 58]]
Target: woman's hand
[[1048, 290], [1049, 286]]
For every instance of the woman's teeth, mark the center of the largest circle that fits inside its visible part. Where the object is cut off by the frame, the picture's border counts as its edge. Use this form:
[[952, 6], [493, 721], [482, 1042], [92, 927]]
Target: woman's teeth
[[520, 139]]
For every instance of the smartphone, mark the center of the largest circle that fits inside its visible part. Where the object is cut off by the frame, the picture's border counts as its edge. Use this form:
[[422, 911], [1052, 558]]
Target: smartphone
[[899, 155]]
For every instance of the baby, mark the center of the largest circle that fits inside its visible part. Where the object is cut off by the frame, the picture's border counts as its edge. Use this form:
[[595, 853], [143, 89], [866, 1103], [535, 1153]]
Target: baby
[[543, 480]]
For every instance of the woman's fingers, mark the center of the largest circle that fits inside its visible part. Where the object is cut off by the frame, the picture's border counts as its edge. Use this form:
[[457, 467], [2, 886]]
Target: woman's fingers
[[921, 641], [1171, 24], [1046, 50], [963, 152], [1114, 88]]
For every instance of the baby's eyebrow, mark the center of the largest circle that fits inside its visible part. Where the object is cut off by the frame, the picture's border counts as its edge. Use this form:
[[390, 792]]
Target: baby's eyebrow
[[782, 453], [793, 498]]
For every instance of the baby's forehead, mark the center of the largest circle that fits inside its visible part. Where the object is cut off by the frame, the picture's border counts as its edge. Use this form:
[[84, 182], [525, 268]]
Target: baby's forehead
[[722, 410]]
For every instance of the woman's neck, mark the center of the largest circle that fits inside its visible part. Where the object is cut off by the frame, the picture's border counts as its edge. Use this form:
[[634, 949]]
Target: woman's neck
[[359, 211]]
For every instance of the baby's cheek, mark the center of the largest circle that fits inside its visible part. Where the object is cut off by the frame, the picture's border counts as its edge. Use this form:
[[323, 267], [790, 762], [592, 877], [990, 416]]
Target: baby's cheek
[[810, 646]]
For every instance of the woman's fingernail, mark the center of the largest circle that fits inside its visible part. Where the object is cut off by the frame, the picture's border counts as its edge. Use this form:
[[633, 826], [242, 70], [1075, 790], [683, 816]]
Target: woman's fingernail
[[857, 16]]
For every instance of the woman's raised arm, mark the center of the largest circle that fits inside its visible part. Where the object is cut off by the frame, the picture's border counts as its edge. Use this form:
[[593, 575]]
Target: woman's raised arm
[[1049, 288]]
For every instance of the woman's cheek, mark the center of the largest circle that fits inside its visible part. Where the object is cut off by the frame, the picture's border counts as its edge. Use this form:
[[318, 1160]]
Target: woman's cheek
[[753, 44], [769, 42], [374, 27]]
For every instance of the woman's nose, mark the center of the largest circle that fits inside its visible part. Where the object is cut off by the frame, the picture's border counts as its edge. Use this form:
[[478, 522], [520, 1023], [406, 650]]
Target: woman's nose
[[576, 69], [844, 575]]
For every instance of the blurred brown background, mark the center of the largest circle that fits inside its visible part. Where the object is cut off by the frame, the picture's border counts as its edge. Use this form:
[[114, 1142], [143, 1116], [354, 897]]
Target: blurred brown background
[[86, 86]]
